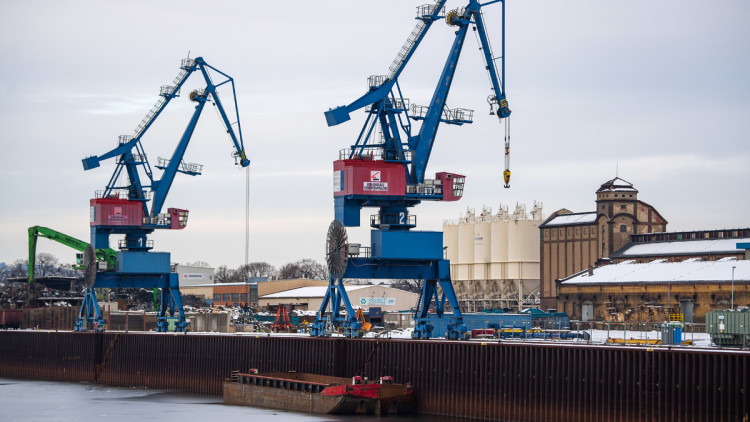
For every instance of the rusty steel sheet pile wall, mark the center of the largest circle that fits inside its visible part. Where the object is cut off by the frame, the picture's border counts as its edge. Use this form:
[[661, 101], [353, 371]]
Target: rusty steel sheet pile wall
[[509, 381], [48, 355], [199, 364]]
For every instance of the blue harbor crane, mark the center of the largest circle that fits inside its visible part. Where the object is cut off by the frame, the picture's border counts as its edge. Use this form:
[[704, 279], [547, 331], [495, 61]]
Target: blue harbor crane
[[132, 204], [386, 168]]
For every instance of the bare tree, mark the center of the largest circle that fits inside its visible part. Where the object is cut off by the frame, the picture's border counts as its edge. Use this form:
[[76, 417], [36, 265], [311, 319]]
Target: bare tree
[[46, 265], [223, 274], [413, 285], [4, 272], [304, 268], [241, 274], [261, 269], [19, 268], [202, 264]]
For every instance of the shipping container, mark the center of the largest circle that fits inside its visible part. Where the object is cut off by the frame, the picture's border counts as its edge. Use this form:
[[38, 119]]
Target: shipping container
[[11, 318]]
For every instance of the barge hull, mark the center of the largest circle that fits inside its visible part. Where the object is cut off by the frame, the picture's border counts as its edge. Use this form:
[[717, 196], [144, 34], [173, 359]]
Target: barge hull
[[295, 401]]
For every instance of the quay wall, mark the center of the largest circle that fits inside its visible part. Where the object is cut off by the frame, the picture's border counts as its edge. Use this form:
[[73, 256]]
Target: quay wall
[[501, 381]]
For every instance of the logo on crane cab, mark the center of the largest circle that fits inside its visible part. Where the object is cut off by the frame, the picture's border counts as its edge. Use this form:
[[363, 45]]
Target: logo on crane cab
[[374, 175]]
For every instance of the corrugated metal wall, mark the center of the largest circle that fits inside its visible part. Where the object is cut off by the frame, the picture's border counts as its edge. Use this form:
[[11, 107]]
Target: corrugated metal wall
[[510, 381]]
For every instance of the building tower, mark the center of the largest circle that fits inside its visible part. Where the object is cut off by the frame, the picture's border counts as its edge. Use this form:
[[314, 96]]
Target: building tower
[[571, 242]]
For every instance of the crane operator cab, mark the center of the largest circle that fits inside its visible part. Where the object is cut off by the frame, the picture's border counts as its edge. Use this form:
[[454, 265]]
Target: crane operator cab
[[366, 181]]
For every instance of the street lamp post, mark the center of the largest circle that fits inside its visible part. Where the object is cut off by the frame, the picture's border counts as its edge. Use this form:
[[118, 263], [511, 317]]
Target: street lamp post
[[733, 267]]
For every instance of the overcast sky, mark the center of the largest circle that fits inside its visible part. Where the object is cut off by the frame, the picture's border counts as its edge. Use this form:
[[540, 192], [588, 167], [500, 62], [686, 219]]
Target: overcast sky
[[658, 89]]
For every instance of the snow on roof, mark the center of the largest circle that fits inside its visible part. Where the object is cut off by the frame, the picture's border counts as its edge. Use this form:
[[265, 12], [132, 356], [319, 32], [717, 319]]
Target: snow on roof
[[568, 219], [617, 185], [664, 272], [692, 247], [309, 291]]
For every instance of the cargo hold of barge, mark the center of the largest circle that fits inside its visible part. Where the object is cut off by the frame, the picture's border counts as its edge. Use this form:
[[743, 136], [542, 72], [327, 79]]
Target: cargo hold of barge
[[300, 392]]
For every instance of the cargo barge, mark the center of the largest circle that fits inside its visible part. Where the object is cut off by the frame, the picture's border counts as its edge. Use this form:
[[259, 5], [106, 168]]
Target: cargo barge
[[300, 392]]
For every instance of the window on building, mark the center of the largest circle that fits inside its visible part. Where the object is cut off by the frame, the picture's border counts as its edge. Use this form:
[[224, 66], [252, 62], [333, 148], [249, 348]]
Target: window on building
[[226, 297], [217, 296], [562, 232], [623, 228], [243, 297], [622, 207], [578, 231], [235, 297]]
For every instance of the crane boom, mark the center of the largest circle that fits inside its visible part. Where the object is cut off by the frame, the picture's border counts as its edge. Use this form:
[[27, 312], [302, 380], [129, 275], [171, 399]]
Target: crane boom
[[124, 209], [130, 149], [423, 142], [386, 167], [103, 255], [426, 14]]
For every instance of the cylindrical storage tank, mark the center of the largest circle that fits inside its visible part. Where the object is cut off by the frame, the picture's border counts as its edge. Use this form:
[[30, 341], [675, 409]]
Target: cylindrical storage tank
[[524, 236], [466, 243], [499, 248], [450, 241], [482, 243]]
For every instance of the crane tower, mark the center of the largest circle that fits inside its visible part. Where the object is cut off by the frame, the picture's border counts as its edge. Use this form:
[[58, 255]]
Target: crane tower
[[135, 207], [386, 169]]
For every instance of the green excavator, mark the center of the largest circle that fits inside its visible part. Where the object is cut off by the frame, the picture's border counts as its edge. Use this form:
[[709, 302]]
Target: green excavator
[[105, 257]]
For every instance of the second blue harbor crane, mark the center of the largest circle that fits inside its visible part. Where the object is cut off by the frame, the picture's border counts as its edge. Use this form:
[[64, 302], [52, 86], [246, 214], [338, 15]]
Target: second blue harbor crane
[[386, 168], [132, 204]]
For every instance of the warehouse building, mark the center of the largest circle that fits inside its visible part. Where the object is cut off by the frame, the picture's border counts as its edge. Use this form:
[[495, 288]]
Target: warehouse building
[[571, 242], [235, 294], [311, 297], [708, 245], [632, 291], [495, 258], [193, 276], [245, 294]]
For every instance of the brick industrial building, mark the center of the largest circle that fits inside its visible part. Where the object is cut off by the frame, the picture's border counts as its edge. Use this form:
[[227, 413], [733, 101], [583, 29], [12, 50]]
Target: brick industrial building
[[571, 242], [690, 273], [631, 291]]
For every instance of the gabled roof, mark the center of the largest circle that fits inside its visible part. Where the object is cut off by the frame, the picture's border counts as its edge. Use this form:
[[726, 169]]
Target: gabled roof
[[309, 291], [681, 247], [617, 185], [571, 219], [659, 271]]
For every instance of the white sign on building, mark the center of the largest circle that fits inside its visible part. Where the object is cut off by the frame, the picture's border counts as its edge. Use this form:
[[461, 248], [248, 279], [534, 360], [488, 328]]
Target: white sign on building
[[377, 301]]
